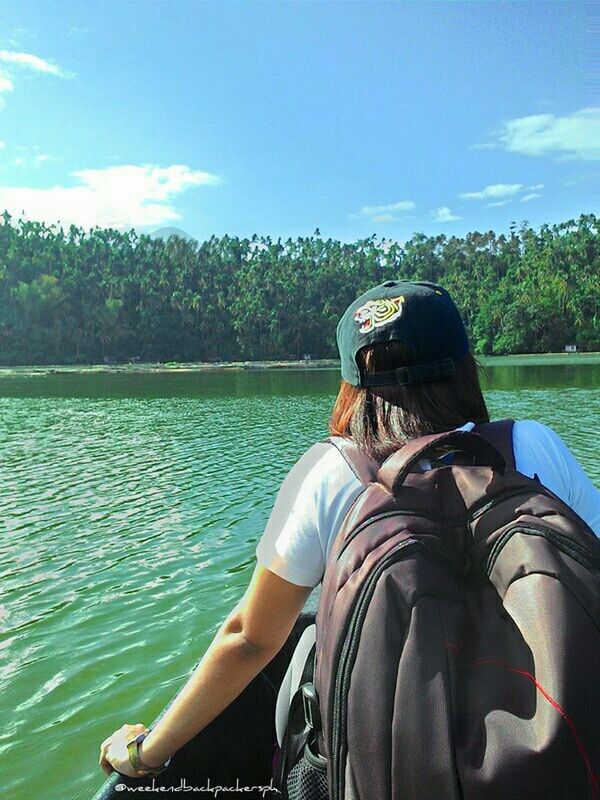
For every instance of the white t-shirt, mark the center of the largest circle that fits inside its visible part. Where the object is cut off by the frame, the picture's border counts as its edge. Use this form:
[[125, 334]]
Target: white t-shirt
[[320, 488]]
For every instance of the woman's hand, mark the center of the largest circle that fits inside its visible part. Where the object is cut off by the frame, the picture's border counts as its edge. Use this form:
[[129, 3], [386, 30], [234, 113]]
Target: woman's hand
[[113, 750]]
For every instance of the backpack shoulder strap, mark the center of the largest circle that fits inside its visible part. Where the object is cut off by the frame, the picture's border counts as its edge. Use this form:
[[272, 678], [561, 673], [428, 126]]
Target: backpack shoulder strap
[[364, 467], [297, 732], [398, 465], [499, 434]]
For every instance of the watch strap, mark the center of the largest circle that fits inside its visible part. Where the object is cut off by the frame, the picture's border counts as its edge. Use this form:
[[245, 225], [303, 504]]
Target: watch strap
[[136, 762]]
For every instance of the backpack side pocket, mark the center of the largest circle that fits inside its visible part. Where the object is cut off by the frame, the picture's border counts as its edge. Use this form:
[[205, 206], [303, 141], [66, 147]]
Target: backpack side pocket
[[307, 779]]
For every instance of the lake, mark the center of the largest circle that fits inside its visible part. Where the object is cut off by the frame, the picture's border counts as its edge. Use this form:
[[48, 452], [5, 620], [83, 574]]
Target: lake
[[132, 505]]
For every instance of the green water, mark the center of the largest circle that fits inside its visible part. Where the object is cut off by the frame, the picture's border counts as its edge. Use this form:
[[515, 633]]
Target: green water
[[132, 504]]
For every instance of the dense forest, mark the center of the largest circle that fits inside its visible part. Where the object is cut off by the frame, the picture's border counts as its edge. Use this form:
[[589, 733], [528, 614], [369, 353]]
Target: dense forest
[[75, 296]]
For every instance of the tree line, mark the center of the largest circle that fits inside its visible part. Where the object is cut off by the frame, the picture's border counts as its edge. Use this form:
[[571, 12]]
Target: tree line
[[75, 296]]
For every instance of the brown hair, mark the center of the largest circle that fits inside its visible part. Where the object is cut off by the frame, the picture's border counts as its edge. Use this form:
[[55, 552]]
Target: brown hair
[[382, 418]]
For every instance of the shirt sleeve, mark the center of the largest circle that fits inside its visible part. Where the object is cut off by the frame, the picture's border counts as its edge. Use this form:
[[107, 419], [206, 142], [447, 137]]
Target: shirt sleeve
[[290, 545], [539, 449], [309, 510]]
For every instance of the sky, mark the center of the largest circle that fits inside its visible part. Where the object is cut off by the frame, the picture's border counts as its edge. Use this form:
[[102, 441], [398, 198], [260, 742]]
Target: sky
[[356, 118]]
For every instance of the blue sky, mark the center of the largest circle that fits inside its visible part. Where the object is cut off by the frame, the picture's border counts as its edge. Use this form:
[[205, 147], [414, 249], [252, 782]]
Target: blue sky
[[277, 118]]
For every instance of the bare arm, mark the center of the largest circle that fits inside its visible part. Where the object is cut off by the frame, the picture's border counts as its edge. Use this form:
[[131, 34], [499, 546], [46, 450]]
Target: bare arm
[[247, 641]]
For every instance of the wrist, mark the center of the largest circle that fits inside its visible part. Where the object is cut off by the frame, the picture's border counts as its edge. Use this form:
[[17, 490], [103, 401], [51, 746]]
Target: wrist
[[151, 755]]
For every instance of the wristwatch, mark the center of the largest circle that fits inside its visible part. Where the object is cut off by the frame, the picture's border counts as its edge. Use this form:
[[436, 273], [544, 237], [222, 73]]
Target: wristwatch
[[136, 761]]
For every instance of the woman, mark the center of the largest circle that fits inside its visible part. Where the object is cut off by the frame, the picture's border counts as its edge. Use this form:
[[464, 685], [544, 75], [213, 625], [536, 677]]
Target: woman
[[406, 371]]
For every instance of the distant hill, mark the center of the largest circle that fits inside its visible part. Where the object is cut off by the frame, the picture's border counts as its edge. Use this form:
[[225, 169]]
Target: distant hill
[[164, 233]]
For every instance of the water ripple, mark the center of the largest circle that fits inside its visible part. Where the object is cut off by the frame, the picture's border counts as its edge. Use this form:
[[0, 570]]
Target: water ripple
[[129, 529]]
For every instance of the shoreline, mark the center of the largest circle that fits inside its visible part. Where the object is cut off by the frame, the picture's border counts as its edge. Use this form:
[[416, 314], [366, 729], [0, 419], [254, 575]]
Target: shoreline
[[172, 367]]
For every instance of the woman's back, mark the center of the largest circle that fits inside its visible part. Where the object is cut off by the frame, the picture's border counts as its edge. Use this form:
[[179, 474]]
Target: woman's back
[[321, 487]]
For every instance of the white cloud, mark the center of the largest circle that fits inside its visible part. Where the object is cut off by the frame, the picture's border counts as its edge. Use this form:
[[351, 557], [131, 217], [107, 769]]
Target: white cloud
[[14, 59], [2, 145], [444, 214], [383, 218], [6, 85], [494, 191], [386, 213], [29, 160], [575, 179], [121, 196], [403, 205], [385, 245], [572, 136], [30, 61], [508, 191], [484, 146]]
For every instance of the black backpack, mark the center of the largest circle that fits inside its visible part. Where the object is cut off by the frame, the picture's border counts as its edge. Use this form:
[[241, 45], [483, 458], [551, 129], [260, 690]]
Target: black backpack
[[457, 637]]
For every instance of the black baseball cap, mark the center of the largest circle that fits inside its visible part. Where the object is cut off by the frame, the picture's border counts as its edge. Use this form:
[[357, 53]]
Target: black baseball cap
[[419, 313]]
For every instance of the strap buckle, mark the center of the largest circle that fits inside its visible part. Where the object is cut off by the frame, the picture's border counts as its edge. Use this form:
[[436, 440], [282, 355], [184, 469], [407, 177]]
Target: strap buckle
[[416, 373], [310, 704]]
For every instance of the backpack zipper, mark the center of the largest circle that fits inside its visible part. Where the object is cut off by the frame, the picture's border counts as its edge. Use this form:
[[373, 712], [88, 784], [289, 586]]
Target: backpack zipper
[[346, 659], [563, 543], [468, 517], [350, 645], [506, 495], [399, 512]]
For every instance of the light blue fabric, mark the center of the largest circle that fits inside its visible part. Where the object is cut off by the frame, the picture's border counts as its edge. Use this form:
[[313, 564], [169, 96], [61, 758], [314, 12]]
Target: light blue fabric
[[539, 449]]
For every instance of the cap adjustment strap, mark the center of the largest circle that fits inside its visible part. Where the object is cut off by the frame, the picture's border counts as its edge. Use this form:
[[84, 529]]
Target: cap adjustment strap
[[404, 376]]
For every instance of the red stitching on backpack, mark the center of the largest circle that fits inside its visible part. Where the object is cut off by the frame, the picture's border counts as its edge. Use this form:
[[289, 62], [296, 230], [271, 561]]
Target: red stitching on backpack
[[483, 661]]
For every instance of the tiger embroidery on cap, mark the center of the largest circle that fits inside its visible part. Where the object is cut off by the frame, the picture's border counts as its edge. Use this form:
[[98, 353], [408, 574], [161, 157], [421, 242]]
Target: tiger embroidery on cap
[[375, 313]]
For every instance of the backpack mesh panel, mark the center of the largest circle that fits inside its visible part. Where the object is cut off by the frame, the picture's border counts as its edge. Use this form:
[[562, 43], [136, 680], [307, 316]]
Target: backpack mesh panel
[[307, 782]]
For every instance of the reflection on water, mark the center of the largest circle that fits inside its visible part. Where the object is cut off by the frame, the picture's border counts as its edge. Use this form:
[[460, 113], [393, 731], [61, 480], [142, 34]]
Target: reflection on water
[[132, 504]]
